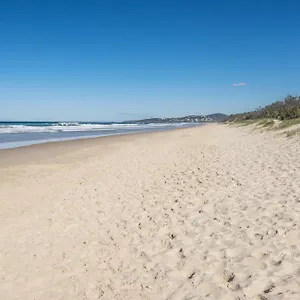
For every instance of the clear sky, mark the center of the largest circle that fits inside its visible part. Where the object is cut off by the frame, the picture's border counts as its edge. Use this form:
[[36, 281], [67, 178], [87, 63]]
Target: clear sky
[[115, 60]]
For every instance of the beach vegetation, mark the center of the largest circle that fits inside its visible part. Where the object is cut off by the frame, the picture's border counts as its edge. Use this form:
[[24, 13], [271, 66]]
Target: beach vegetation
[[293, 132], [286, 109]]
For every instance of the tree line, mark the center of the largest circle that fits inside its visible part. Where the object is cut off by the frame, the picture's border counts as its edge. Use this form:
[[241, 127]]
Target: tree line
[[288, 108]]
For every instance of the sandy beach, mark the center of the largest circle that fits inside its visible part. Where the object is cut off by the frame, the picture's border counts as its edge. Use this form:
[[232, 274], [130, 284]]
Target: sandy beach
[[201, 213]]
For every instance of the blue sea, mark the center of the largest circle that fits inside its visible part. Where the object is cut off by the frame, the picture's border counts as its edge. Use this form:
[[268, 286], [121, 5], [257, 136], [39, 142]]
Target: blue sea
[[19, 134]]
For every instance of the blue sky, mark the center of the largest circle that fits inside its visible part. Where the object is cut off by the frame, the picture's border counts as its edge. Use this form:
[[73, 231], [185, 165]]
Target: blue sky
[[115, 60]]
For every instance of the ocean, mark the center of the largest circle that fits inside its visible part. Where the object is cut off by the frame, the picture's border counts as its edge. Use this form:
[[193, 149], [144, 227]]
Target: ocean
[[19, 134]]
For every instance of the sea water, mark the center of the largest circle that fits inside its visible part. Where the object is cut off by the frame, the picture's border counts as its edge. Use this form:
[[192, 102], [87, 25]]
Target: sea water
[[18, 134]]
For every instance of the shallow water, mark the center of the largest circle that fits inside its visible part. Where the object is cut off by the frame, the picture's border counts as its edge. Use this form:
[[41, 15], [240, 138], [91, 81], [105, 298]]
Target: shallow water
[[18, 134]]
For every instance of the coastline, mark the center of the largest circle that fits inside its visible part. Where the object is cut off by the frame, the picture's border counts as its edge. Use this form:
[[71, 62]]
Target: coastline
[[209, 212], [26, 134], [40, 151]]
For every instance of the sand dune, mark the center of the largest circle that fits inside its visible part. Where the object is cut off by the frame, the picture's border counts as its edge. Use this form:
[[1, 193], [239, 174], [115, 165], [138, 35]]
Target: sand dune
[[202, 213]]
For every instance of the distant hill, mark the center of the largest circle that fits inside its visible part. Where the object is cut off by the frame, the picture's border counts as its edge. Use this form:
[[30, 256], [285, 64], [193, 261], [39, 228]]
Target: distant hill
[[187, 119], [217, 116]]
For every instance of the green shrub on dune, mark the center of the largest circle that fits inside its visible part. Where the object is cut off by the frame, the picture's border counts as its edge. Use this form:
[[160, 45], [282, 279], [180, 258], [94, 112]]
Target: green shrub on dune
[[287, 109]]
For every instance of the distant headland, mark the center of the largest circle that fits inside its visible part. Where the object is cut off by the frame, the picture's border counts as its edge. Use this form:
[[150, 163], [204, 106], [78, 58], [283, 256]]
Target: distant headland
[[186, 119]]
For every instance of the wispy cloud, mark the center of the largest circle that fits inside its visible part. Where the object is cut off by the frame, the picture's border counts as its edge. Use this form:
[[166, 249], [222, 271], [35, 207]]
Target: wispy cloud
[[240, 84]]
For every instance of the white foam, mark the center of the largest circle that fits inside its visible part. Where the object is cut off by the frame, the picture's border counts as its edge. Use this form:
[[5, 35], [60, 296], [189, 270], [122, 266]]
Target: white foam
[[13, 136], [72, 127]]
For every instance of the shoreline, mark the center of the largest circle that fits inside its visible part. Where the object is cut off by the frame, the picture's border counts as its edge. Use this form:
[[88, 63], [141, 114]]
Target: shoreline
[[21, 144], [36, 152]]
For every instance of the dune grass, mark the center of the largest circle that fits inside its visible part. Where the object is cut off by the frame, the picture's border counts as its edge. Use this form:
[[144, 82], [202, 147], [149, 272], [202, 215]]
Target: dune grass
[[244, 122], [266, 123], [271, 124], [288, 123], [293, 132]]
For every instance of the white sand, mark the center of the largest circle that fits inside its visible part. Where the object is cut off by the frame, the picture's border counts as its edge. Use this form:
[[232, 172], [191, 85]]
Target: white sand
[[204, 213]]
